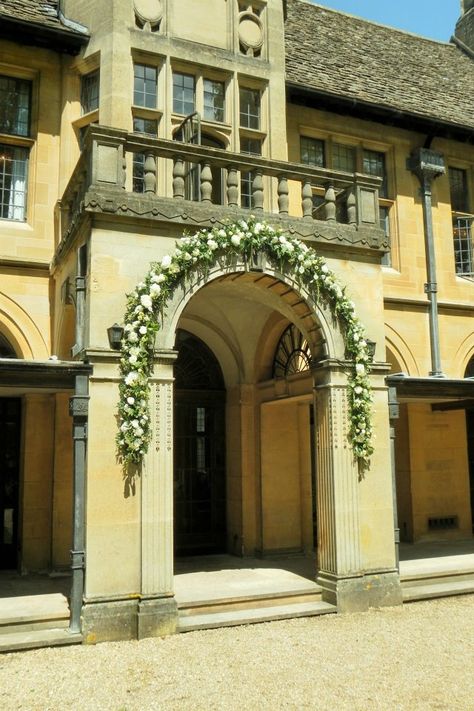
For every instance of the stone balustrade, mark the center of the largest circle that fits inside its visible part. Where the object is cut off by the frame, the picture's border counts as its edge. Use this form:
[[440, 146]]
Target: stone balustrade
[[106, 163]]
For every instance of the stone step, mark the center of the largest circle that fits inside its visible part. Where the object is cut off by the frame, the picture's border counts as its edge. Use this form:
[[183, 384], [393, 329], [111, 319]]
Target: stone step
[[432, 589], [17, 641], [32, 624], [226, 604], [27, 609], [437, 577], [252, 615]]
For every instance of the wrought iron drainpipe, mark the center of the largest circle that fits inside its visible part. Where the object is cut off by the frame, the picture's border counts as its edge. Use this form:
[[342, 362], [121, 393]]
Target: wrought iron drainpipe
[[428, 165], [78, 409]]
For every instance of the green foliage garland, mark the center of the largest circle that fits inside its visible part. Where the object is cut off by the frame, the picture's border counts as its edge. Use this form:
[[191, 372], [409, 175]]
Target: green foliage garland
[[200, 252]]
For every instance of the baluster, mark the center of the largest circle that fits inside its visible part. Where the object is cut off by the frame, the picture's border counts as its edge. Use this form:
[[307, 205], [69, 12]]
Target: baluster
[[307, 200], [283, 201], [257, 190], [351, 206], [149, 178], [178, 178], [232, 187], [124, 171], [206, 183], [330, 198]]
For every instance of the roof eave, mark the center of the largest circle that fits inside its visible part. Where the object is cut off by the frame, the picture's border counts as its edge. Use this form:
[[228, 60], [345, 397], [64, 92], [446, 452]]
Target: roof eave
[[367, 110], [39, 35]]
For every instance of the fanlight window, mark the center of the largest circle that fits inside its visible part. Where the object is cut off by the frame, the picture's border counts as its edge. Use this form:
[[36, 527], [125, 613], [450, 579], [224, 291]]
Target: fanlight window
[[6, 349], [292, 354]]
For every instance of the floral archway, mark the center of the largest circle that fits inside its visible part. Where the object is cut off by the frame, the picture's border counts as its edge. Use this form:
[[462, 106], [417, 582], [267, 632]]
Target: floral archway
[[198, 253]]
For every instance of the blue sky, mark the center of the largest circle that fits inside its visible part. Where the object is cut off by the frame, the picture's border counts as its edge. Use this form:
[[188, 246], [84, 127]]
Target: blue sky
[[430, 18]]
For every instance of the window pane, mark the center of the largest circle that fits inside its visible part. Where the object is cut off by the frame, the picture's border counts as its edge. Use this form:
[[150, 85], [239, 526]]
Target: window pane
[[13, 182], [251, 146], [374, 164], [138, 172], [312, 151], [143, 125], [213, 100], [183, 93], [15, 106], [344, 157], [90, 92], [463, 233], [145, 81], [249, 108], [385, 225], [458, 188]]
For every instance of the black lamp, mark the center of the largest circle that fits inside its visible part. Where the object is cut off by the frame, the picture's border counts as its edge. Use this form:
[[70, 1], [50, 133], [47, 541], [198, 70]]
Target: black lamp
[[115, 334]]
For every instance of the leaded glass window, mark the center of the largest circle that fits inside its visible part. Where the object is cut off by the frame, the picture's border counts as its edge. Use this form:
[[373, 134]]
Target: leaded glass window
[[15, 100], [312, 151], [249, 108], [90, 92], [183, 93], [214, 100], [13, 182], [145, 86]]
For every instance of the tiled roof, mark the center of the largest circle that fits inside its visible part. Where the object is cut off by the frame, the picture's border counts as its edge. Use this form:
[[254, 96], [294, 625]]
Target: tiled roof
[[344, 56], [38, 12]]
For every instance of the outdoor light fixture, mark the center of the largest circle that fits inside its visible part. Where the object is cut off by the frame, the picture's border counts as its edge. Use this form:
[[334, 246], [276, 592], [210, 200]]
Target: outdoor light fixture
[[371, 346], [115, 334]]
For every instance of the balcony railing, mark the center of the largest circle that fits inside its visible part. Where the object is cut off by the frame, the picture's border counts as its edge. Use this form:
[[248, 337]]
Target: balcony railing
[[102, 181], [463, 233]]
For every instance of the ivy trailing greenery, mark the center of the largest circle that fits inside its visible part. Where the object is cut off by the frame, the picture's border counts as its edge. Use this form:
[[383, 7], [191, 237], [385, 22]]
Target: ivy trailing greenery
[[199, 253]]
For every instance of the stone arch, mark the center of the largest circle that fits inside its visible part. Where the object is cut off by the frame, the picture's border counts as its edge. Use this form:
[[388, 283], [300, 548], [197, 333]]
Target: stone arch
[[464, 355], [401, 351], [278, 290], [21, 331]]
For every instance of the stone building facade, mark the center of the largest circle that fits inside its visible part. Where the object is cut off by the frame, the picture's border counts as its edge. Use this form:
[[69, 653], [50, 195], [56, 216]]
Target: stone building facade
[[125, 125]]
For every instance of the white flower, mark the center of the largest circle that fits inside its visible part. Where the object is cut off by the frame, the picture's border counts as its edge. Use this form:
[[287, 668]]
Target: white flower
[[235, 239], [358, 390], [157, 278], [146, 302], [258, 228], [133, 337], [134, 424], [131, 400], [360, 369], [131, 377], [155, 289], [222, 233], [212, 244], [142, 330], [133, 359], [166, 262], [324, 268]]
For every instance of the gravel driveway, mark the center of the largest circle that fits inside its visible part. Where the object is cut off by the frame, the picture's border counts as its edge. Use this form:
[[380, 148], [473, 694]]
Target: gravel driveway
[[419, 656]]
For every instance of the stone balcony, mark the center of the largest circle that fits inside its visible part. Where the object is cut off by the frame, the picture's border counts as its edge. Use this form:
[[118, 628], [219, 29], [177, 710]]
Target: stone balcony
[[347, 215]]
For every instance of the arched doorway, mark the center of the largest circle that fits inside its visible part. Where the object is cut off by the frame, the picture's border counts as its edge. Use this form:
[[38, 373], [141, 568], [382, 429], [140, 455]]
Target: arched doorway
[[10, 430], [199, 452]]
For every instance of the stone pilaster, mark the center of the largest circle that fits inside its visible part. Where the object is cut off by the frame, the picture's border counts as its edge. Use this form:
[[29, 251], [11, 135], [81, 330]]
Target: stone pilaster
[[349, 579], [157, 607]]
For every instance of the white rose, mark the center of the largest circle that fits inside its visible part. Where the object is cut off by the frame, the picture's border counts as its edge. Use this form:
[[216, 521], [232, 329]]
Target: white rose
[[133, 359], [131, 377], [146, 302], [166, 262], [155, 289], [235, 239], [133, 337], [131, 400], [325, 268], [158, 278], [142, 330], [360, 369], [212, 244]]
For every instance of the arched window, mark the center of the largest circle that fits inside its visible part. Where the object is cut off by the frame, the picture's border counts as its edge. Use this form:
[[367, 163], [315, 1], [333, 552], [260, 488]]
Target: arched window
[[292, 353], [196, 367], [470, 369]]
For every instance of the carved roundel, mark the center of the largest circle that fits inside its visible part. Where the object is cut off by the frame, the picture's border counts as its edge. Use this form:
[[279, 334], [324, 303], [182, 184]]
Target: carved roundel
[[149, 10], [250, 31]]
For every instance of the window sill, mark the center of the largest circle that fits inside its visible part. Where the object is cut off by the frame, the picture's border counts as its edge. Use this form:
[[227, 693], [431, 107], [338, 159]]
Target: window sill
[[86, 119], [145, 112]]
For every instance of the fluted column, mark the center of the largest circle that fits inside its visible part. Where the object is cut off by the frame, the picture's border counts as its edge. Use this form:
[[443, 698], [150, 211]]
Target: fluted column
[[157, 608]]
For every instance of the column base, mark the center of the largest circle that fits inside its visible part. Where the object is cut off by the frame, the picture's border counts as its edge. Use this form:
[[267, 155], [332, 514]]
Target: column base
[[157, 617], [358, 593], [109, 621]]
